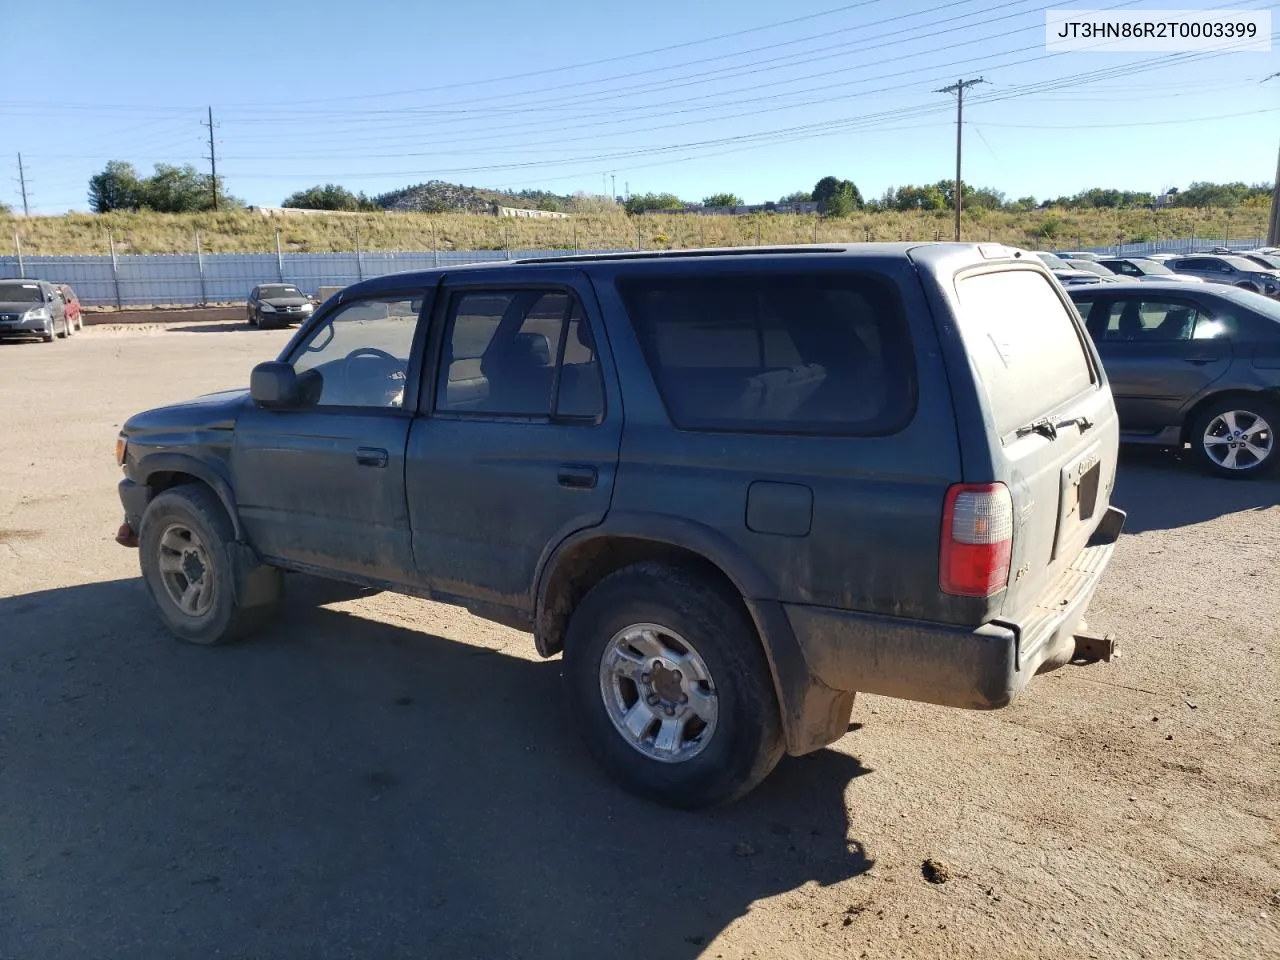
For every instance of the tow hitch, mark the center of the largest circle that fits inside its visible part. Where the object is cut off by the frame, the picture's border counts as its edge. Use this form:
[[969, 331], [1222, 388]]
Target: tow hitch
[[126, 536], [1090, 648]]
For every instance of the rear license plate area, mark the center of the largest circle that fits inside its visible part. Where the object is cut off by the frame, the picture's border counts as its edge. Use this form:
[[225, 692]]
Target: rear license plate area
[[1078, 501]]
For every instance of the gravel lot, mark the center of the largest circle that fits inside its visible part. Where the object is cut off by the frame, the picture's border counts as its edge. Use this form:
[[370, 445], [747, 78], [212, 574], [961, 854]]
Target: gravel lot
[[387, 777]]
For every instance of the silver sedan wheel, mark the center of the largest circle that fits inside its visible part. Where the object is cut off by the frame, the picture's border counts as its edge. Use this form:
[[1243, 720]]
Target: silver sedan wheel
[[1238, 440], [186, 571], [658, 692]]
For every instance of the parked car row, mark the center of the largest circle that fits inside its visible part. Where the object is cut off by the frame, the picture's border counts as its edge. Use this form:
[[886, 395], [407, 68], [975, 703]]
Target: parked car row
[[38, 308], [1256, 270]]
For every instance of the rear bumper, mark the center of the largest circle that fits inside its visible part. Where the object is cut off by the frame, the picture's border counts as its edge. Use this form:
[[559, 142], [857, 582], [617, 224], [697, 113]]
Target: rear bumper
[[980, 669]]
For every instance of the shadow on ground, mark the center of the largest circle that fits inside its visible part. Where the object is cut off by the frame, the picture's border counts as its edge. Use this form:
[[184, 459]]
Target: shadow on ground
[[342, 786], [1163, 489], [223, 326]]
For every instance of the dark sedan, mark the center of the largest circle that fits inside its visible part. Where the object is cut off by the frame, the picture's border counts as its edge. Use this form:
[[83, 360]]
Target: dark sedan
[[277, 304], [1191, 364]]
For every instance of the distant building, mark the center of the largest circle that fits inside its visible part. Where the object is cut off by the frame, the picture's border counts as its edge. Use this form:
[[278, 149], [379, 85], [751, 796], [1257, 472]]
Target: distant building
[[1166, 199], [529, 214], [300, 212], [805, 206]]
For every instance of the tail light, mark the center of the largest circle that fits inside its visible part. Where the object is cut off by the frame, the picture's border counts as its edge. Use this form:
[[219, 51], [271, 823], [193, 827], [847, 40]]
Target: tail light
[[977, 539]]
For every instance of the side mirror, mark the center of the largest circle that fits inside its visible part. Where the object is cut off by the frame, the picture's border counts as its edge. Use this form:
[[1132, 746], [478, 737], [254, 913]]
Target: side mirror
[[274, 385]]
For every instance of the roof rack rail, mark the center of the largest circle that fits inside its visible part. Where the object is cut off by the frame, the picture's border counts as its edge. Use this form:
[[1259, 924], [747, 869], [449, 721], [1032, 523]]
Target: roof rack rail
[[660, 254]]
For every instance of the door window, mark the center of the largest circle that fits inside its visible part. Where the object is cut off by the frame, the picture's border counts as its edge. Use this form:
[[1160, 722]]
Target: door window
[[1150, 321], [791, 353], [359, 357], [519, 353]]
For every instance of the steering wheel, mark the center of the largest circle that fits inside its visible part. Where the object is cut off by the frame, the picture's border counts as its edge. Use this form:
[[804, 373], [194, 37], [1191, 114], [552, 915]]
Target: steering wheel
[[393, 391]]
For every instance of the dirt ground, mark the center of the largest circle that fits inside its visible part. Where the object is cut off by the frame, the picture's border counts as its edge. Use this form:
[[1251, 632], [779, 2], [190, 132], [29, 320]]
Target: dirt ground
[[386, 777]]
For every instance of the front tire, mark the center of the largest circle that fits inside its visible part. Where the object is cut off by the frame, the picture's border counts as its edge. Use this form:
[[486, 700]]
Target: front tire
[[185, 550], [670, 687], [1235, 437]]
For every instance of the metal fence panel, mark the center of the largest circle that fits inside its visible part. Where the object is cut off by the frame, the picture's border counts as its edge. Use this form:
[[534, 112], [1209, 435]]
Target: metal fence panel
[[175, 279]]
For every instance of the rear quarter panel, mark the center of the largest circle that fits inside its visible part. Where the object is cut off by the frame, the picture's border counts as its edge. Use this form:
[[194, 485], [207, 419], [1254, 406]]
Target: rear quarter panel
[[871, 543]]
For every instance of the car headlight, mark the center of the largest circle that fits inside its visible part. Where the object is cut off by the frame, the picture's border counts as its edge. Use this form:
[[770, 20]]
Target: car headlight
[[308, 307], [37, 313], [122, 446], [266, 308]]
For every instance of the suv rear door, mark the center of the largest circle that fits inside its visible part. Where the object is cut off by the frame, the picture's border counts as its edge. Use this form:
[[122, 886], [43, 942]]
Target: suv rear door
[[1048, 427], [517, 443]]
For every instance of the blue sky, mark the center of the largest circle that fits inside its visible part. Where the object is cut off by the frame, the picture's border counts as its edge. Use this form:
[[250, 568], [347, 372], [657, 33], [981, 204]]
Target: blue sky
[[560, 95]]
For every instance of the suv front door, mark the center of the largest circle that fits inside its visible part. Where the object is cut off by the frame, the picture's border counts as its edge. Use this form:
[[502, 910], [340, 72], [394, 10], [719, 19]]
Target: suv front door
[[517, 443], [321, 485], [1160, 352]]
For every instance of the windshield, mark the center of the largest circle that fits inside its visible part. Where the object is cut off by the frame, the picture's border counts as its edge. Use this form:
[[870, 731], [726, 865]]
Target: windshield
[[1152, 267], [282, 290], [1270, 262], [21, 293], [1243, 263], [1053, 262]]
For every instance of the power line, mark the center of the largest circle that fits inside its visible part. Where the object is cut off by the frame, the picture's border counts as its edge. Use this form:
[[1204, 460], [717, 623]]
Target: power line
[[590, 63]]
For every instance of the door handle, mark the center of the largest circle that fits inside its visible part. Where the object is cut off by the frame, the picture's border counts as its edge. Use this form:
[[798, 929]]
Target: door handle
[[371, 456], [582, 478], [1200, 361]]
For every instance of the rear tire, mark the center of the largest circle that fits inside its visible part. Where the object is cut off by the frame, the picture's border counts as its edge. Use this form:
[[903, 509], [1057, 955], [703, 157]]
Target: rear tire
[[728, 695], [185, 551], [1235, 437]]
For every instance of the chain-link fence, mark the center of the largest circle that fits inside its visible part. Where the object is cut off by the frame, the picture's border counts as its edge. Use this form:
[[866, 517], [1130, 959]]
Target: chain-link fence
[[196, 279]]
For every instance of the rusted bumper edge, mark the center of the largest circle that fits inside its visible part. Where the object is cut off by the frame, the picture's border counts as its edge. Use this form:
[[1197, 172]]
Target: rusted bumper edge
[[134, 497], [978, 669]]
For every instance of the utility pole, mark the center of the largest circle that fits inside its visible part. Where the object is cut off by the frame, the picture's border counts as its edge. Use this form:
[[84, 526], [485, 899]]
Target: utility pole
[[613, 186], [213, 161], [22, 180], [1273, 225], [958, 88]]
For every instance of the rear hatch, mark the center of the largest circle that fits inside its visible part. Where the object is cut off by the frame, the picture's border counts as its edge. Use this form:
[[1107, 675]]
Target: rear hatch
[[1049, 430]]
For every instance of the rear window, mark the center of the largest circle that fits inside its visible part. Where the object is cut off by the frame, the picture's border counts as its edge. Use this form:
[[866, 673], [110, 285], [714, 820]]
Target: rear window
[[1025, 345], [776, 353]]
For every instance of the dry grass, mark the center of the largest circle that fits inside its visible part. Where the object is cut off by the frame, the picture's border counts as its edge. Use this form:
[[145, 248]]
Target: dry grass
[[244, 232]]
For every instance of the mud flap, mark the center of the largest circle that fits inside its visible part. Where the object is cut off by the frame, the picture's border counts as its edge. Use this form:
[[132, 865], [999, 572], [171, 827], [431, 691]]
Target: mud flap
[[256, 584]]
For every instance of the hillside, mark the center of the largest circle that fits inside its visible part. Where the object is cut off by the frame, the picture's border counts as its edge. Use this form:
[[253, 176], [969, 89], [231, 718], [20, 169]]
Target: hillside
[[244, 232], [436, 196]]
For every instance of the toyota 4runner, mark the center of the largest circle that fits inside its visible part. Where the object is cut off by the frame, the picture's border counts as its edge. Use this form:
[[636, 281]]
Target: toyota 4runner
[[733, 487]]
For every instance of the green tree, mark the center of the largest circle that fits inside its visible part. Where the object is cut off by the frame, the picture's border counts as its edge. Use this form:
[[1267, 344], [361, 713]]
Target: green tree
[[799, 196], [169, 190], [116, 187], [722, 200], [329, 197], [641, 203], [836, 198]]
